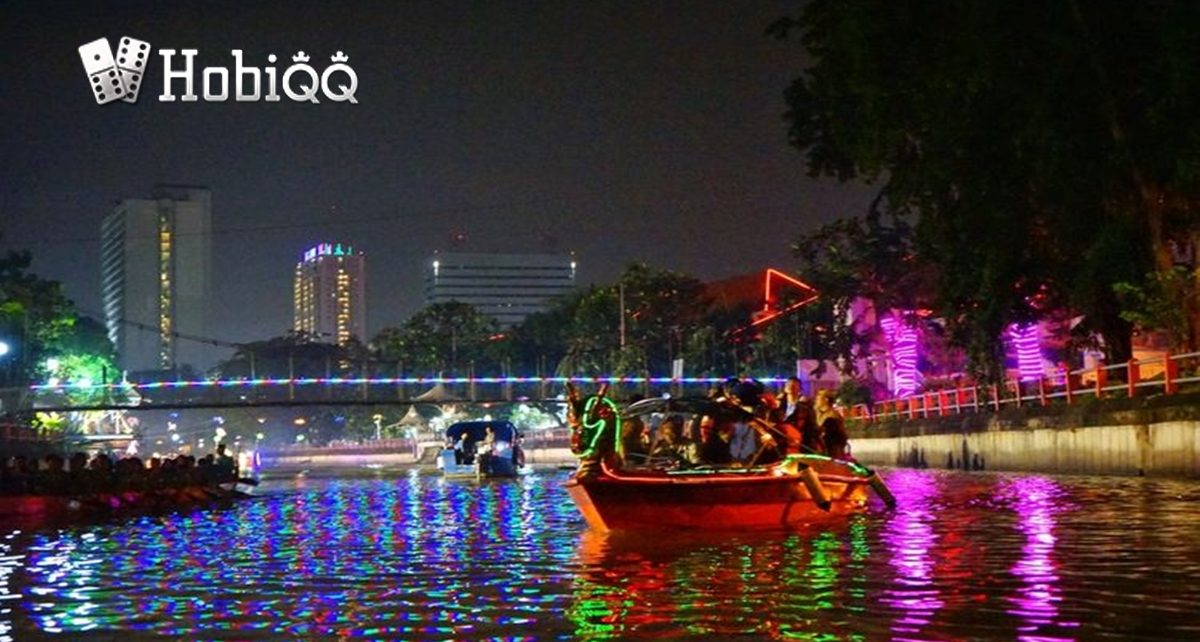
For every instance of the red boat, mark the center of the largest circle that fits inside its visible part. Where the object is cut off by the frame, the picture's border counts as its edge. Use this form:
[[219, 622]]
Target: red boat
[[799, 489]]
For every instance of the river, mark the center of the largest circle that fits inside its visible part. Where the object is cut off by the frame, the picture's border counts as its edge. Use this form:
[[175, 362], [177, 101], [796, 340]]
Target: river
[[415, 557]]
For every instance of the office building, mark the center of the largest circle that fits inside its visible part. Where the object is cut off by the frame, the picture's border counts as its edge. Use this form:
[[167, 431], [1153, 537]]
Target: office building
[[505, 287], [155, 278], [329, 293]]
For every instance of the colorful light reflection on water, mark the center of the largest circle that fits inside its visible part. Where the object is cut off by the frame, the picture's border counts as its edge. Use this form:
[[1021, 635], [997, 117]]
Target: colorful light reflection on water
[[415, 557]]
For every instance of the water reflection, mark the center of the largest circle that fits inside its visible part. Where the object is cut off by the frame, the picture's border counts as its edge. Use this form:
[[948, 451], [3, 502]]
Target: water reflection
[[1037, 500], [909, 537], [963, 556]]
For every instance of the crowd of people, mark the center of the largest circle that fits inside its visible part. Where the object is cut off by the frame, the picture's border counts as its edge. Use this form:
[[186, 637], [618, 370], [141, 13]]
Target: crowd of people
[[769, 427], [102, 474]]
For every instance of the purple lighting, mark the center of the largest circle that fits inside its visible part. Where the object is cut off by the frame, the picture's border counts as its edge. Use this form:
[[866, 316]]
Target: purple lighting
[[902, 341], [1027, 341]]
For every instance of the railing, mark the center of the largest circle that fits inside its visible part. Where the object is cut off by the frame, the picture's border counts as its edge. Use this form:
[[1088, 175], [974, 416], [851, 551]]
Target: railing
[[963, 396]]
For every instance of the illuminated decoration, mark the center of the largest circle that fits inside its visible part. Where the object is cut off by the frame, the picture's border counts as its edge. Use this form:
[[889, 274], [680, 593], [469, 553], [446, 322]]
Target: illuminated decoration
[[595, 422], [903, 342], [770, 298], [1026, 339], [328, 249], [378, 381]]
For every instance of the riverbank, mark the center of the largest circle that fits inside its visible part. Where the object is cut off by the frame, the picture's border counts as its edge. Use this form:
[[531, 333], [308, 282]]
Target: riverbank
[[313, 458], [1153, 435]]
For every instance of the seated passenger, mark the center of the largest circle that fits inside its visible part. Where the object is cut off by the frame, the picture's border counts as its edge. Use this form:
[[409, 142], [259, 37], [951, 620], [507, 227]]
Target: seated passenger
[[714, 442], [743, 444], [635, 443], [671, 445]]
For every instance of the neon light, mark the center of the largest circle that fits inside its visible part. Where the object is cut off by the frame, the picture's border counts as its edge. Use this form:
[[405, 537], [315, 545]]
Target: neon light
[[769, 299], [1027, 341], [327, 249], [600, 424], [903, 346]]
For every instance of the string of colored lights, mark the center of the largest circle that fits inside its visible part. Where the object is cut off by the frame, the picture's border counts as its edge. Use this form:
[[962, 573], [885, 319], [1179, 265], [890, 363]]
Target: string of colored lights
[[379, 381]]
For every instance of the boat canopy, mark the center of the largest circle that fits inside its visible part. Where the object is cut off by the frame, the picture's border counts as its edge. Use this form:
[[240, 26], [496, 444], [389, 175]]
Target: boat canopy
[[685, 406], [475, 430]]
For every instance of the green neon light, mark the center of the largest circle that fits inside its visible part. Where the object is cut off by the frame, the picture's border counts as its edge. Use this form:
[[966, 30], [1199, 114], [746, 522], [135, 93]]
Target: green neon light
[[599, 425]]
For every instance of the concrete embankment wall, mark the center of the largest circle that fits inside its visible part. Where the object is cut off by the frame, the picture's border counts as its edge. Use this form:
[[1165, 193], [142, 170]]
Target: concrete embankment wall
[[1156, 436], [315, 458]]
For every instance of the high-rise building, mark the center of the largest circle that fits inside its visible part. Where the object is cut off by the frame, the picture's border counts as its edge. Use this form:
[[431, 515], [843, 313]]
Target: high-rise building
[[155, 278], [505, 287], [330, 293]]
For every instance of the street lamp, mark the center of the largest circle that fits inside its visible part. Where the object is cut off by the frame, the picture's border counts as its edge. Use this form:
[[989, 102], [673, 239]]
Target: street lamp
[[4, 348]]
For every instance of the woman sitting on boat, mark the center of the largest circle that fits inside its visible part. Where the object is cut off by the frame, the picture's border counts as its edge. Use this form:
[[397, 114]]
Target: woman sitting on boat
[[672, 446], [834, 439]]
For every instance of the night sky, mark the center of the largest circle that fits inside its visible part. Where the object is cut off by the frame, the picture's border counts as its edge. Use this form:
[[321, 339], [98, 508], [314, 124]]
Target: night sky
[[621, 131]]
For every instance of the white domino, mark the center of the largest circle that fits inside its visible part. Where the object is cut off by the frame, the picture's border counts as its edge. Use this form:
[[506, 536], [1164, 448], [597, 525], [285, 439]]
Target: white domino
[[132, 57], [101, 70]]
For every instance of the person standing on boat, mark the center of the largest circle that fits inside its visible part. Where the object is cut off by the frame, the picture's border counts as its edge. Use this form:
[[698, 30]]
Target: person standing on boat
[[833, 427]]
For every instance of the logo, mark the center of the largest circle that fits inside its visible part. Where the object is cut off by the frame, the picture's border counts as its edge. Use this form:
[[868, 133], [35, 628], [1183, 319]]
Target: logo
[[118, 76], [115, 77]]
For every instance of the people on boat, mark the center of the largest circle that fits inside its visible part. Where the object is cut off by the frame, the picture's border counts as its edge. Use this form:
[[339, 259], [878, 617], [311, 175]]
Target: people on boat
[[834, 440], [458, 447], [743, 443], [714, 441], [672, 446], [100, 474], [635, 442]]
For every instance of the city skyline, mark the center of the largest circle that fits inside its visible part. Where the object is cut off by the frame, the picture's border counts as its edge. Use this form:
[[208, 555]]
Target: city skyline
[[619, 133]]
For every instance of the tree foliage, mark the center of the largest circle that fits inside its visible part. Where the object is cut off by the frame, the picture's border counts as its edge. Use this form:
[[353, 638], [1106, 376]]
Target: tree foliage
[[1045, 151], [444, 338]]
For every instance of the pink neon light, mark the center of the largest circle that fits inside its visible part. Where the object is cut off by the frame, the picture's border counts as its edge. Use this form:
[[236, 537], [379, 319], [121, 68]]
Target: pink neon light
[[1027, 341], [903, 347]]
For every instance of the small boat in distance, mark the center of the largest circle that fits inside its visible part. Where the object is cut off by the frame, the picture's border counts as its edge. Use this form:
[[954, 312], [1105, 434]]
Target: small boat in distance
[[795, 490], [482, 449]]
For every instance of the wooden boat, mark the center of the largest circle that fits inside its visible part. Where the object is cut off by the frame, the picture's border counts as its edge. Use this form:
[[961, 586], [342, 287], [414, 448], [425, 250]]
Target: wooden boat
[[796, 490], [96, 504]]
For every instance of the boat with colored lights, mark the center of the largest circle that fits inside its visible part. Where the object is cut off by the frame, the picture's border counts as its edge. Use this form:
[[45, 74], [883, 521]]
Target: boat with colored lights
[[795, 490]]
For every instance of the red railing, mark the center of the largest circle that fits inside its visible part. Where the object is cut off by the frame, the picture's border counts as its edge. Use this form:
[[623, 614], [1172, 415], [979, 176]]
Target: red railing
[[961, 395]]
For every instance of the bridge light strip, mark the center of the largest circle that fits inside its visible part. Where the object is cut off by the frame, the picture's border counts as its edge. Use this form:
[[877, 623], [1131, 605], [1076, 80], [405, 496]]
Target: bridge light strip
[[376, 381]]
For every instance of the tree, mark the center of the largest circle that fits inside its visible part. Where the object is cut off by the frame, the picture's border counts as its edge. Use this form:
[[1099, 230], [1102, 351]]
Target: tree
[[35, 318], [442, 339], [1044, 153]]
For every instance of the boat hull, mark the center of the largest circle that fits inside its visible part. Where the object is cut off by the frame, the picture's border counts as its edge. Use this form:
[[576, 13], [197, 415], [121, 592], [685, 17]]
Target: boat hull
[[774, 498]]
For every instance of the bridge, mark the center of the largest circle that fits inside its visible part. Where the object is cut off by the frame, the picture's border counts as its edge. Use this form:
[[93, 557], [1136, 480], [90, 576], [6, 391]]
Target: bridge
[[335, 391]]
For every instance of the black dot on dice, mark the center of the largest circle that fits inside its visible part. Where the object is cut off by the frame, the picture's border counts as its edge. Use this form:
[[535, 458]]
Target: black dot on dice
[[116, 82], [142, 46], [111, 74], [124, 50], [101, 95], [97, 57], [96, 80], [141, 55], [117, 91], [121, 60], [135, 77], [133, 85]]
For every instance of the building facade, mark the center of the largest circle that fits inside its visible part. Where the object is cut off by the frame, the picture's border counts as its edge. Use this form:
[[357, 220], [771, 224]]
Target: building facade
[[156, 278], [329, 293], [505, 287]]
